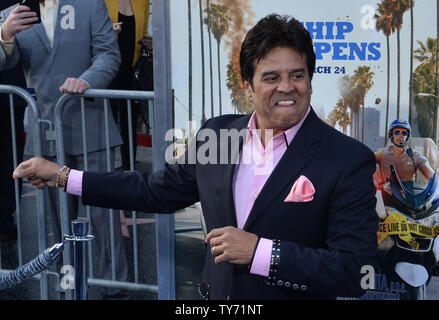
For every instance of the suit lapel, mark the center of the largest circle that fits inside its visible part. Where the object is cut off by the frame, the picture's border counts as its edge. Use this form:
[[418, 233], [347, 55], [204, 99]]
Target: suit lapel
[[59, 31], [41, 33], [229, 170], [299, 153]]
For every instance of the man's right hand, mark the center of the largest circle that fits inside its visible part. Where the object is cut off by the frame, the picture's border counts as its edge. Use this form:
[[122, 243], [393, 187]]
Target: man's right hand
[[18, 20], [40, 172]]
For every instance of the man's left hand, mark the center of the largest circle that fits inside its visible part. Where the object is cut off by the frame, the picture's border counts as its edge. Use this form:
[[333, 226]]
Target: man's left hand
[[232, 244], [74, 85]]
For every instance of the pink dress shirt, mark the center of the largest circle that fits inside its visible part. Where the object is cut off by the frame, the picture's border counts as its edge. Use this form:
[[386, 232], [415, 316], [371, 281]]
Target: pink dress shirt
[[255, 166], [74, 184]]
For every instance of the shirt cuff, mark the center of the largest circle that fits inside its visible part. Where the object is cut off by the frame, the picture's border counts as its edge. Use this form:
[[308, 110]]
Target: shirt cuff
[[262, 259], [74, 183], [89, 86], [8, 46]]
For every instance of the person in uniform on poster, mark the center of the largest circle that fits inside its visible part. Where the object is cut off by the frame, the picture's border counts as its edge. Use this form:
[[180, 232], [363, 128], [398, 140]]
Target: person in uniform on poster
[[405, 161], [406, 264]]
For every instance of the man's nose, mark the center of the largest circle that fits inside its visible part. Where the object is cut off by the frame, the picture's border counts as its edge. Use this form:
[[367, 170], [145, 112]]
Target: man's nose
[[286, 85]]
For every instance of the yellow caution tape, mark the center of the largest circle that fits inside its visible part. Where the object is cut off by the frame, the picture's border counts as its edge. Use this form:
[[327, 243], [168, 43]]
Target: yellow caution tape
[[396, 224]]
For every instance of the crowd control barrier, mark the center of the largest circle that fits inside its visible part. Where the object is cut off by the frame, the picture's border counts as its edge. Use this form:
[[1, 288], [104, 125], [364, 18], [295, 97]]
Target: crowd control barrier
[[106, 95], [42, 245], [165, 288]]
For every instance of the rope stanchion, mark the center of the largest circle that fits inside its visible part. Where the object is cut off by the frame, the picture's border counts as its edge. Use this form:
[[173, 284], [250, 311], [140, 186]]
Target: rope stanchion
[[79, 238], [25, 272]]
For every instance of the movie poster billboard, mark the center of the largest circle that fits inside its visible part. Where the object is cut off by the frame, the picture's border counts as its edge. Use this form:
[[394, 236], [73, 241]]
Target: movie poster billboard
[[376, 63]]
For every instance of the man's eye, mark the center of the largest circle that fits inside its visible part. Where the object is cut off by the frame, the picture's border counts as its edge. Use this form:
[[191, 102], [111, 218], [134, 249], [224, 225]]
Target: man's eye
[[271, 79], [297, 76]]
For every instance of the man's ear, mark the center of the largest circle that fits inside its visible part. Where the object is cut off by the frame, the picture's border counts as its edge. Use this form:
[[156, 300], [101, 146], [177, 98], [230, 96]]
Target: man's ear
[[248, 90]]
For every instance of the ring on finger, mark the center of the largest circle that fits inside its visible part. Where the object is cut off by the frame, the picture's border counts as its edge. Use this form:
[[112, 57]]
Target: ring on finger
[[213, 250]]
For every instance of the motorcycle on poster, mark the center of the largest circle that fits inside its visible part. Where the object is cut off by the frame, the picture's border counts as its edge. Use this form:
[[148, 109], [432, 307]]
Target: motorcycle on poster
[[408, 208]]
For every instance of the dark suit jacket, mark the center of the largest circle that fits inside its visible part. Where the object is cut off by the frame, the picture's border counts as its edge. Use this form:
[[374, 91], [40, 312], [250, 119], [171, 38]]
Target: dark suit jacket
[[325, 242]]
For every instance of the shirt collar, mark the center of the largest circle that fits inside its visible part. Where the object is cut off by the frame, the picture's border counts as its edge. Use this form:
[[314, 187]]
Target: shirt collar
[[287, 136], [54, 2]]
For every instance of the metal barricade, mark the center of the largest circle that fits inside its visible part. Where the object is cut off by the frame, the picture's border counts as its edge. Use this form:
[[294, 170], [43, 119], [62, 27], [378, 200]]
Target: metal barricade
[[17, 91], [106, 95]]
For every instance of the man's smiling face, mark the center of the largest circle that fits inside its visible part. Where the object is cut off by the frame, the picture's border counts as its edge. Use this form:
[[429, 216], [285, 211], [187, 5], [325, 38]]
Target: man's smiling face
[[281, 90]]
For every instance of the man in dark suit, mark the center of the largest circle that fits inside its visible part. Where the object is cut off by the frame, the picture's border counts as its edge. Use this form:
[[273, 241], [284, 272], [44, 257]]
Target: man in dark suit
[[289, 210], [14, 77]]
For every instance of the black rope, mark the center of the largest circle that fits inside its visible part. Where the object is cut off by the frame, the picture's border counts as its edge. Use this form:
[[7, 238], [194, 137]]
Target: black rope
[[37, 265]]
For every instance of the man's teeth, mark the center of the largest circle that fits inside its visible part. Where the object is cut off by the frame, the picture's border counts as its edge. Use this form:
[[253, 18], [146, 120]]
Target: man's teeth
[[286, 102]]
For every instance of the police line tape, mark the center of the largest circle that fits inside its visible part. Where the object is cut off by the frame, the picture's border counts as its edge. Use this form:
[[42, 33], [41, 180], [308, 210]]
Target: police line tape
[[396, 224]]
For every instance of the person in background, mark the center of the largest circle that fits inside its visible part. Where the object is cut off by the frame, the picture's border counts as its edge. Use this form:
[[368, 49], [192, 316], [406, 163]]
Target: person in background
[[15, 77], [70, 57], [130, 22]]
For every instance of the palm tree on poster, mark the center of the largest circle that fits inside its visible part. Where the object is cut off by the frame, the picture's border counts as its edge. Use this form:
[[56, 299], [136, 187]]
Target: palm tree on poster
[[384, 23], [219, 24], [423, 81], [399, 8], [203, 73], [349, 99], [362, 80], [240, 101], [340, 115], [426, 53]]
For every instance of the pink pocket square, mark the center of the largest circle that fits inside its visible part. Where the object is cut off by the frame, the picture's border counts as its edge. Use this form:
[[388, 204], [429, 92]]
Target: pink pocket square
[[302, 191]]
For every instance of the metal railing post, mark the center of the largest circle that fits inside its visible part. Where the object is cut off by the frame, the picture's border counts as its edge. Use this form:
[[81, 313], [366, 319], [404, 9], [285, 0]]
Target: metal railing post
[[79, 239], [59, 109], [60, 156], [162, 123], [31, 103]]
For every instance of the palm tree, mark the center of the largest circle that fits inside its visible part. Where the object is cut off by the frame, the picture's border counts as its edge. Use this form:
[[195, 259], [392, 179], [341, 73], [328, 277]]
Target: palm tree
[[350, 99], [427, 53], [424, 80], [384, 23], [399, 8], [339, 115], [241, 103], [362, 79], [203, 73], [210, 58], [219, 24]]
